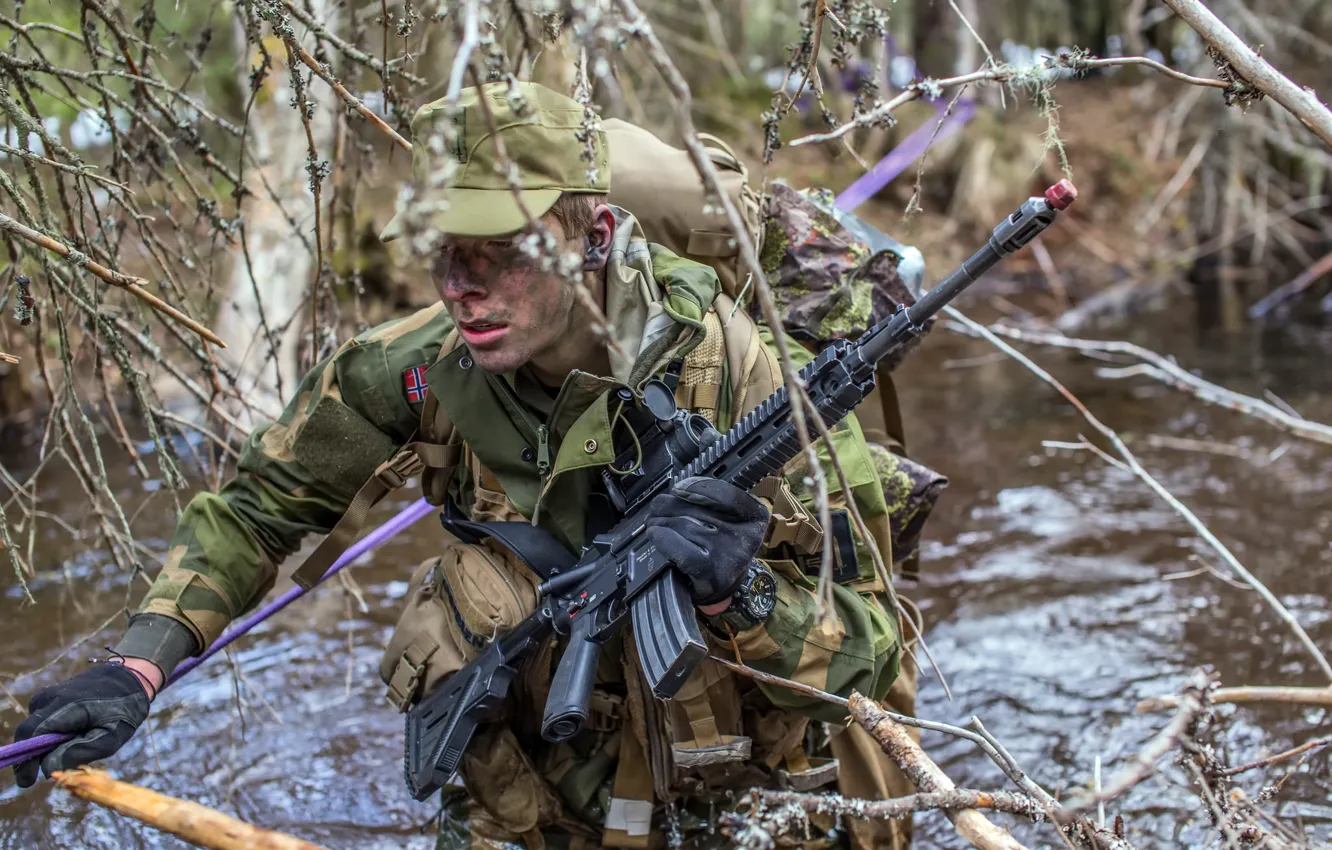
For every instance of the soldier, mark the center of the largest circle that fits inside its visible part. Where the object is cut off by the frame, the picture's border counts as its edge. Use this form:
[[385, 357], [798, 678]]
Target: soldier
[[505, 395]]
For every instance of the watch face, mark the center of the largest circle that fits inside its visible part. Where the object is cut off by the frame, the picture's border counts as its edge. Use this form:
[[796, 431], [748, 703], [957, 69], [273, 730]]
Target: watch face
[[761, 596]]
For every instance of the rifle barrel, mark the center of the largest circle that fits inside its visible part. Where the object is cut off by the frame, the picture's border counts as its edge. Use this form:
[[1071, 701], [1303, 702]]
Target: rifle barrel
[[1014, 232]]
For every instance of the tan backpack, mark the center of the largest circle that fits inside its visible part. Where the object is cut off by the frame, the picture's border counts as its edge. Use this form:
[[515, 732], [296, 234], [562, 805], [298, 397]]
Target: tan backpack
[[660, 186]]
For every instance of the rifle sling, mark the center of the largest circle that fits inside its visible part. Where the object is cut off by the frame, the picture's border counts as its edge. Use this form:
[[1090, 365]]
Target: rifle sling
[[534, 546]]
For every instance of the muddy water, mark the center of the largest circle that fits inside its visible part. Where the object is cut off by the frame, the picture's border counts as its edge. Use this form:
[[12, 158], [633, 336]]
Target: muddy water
[[1044, 591]]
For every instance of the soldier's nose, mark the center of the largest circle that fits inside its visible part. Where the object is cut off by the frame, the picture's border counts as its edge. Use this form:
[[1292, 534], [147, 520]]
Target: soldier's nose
[[461, 287]]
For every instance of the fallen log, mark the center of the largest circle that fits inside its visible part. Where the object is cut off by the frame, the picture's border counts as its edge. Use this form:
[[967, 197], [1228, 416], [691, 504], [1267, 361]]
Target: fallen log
[[195, 823]]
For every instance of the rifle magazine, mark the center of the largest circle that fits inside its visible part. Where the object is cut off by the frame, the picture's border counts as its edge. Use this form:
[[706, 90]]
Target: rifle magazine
[[670, 644]]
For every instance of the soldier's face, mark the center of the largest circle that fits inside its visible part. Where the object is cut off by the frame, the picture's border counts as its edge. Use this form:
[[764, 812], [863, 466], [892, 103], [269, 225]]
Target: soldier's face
[[506, 307]]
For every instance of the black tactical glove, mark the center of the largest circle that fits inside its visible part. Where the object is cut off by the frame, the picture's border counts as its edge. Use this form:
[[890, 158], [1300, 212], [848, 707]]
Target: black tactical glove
[[102, 706], [710, 530]]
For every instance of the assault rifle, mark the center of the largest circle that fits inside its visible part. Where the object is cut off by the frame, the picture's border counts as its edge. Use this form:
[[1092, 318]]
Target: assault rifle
[[621, 576]]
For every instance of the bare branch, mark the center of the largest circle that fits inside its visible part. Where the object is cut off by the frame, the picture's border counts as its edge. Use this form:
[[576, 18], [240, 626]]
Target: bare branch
[[1194, 699], [1000, 73], [349, 50], [68, 169], [1143, 62], [921, 769], [1162, 369], [1315, 744], [951, 800], [1248, 694], [132, 285], [284, 30], [1302, 102]]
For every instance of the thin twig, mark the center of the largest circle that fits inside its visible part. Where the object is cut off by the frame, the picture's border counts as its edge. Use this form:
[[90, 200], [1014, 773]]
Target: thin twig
[[1194, 699], [1145, 62], [133, 285], [932, 88], [350, 99], [1163, 369], [68, 169], [952, 800], [983, 46], [1248, 694], [1315, 744], [351, 51]]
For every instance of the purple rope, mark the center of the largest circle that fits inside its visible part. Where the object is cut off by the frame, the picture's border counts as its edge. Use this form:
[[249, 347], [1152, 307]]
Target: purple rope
[[911, 149], [13, 754]]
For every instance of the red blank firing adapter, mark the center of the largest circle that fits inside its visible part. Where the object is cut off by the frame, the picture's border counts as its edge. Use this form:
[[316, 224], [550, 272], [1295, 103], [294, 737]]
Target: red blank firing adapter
[[1061, 194]]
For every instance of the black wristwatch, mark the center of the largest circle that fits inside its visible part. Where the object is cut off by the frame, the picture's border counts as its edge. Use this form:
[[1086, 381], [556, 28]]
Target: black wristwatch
[[753, 600]]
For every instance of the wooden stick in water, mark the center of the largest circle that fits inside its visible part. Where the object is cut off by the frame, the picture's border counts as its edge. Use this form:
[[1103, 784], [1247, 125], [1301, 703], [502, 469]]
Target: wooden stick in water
[[1248, 693], [197, 824]]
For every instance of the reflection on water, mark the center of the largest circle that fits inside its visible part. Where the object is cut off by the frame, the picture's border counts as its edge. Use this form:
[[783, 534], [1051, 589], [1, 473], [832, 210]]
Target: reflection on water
[[1043, 590]]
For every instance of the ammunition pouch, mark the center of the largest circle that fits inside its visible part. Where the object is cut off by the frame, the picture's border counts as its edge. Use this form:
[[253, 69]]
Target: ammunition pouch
[[456, 603]]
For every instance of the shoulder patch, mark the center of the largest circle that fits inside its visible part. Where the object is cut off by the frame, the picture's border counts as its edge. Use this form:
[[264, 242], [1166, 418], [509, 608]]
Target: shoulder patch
[[414, 382]]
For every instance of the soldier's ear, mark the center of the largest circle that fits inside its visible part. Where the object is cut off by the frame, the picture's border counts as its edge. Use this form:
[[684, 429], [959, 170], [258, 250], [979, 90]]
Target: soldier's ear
[[596, 253]]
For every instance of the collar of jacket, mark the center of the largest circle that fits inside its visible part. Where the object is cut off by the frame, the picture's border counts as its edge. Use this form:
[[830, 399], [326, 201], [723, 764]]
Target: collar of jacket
[[655, 303]]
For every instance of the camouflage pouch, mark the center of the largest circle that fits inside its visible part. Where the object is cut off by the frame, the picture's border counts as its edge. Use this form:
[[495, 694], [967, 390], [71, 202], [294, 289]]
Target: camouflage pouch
[[456, 603], [911, 491], [827, 280], [486, 592]]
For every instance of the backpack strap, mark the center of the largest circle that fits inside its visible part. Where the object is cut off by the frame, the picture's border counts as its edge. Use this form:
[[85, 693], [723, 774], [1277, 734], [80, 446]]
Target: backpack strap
[[435, 457], [436, 428]]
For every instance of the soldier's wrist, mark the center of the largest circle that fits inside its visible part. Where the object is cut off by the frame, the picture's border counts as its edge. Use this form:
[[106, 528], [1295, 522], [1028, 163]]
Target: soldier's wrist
[[158, 640], [148, 673], [749, 604], [715, 608]]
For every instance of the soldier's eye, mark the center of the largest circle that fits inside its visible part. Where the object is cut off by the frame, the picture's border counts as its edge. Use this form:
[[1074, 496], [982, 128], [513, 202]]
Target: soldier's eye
[[443, 260]]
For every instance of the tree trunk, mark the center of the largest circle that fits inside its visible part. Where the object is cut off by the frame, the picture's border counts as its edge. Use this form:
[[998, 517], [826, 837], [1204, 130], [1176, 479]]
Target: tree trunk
[[262, 321], [934, 39], [968, 50]]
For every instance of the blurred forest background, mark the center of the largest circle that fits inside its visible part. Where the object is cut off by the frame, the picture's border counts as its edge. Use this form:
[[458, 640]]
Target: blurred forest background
[[171, 171], [181, 160]]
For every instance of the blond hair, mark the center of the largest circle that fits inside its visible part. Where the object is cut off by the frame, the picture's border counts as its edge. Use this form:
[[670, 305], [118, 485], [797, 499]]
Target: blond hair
[[575, 211]]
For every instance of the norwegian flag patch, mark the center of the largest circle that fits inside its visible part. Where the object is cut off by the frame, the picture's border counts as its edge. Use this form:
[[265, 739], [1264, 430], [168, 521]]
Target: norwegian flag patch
[[414, 381]]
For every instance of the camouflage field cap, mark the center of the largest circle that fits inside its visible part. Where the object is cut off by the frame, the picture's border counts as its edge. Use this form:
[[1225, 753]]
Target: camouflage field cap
[[542, 132]]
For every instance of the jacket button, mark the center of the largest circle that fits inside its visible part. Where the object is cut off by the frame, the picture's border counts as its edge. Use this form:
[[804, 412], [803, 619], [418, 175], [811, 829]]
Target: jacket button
[[528, 454], [465, 361], [590, 446]]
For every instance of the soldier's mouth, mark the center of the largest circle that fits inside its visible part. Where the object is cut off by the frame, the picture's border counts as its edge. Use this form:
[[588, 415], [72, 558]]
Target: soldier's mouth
[[482, 333]]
